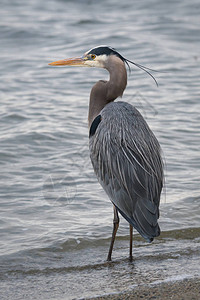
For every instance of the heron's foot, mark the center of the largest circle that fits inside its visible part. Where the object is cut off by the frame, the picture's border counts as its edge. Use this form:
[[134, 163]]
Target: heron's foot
[[109, 258], [130, 258]]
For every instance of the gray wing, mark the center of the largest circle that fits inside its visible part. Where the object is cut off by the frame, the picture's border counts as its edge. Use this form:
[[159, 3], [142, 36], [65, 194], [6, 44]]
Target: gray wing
[[126, 159]]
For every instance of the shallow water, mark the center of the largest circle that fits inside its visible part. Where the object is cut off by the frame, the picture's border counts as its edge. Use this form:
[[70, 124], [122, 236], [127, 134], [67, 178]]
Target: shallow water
[[55, 220]]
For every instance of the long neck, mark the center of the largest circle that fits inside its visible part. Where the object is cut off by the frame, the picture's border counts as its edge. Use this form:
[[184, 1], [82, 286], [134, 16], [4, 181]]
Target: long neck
[[104, 92]]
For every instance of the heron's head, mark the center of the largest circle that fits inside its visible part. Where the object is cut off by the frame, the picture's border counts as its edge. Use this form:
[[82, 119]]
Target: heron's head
[[96, 57]]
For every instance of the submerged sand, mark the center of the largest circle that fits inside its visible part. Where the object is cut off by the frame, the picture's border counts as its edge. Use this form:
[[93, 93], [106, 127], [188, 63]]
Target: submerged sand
[[188, 289]]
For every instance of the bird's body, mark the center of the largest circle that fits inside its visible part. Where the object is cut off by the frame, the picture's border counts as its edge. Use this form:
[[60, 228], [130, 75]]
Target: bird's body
[[125, 154], [126, 159]]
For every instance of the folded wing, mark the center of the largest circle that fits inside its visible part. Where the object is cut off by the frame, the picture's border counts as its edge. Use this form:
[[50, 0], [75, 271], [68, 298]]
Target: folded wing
[[127, 161]]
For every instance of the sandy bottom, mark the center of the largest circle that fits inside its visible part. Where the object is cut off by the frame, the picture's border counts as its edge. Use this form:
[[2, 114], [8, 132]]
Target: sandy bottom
[[188, 289]]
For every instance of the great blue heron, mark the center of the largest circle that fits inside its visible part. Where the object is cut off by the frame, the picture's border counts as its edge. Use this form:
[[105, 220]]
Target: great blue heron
[[125, 154]]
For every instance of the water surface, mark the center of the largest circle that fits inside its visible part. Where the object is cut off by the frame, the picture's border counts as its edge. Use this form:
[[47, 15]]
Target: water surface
[[55, 219]]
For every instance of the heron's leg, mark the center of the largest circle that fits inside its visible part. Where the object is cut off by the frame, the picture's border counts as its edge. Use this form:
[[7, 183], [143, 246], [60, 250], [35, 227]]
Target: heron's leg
[[131, 242], [115, 227]]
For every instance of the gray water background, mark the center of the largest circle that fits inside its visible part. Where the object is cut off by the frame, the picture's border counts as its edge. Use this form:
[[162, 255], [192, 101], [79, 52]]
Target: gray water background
[[55, 219]]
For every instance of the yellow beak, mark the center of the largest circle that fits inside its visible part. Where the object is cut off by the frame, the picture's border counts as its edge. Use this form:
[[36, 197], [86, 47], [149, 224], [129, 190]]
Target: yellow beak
[[76, 61]]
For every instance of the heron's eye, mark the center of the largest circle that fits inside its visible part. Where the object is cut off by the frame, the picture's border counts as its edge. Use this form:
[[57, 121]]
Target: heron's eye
[[93, 56]]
